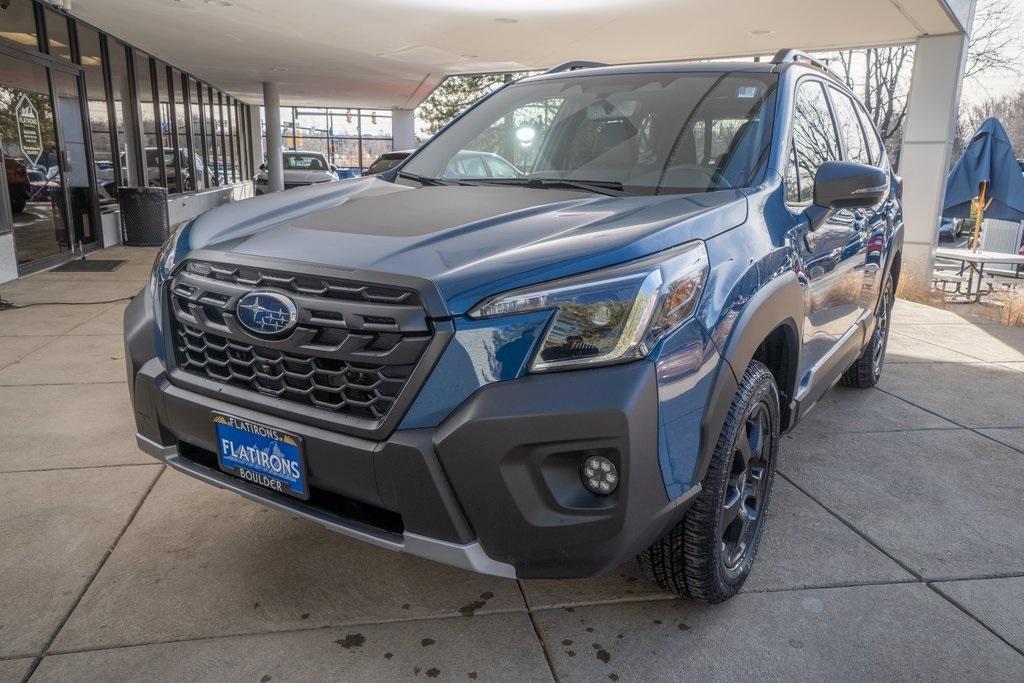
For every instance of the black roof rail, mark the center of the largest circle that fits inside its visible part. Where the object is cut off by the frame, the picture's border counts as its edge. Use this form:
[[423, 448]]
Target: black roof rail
[[573, 66], [791, 55]]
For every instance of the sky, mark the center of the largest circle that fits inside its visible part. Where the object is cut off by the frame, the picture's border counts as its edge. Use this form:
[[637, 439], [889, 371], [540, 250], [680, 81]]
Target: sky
[[996, 84]]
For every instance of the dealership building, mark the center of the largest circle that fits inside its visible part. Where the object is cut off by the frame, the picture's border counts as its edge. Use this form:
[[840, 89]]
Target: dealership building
[[96, 95]]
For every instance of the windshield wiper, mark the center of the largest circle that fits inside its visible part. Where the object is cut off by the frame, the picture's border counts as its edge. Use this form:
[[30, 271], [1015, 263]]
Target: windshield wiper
[[423, 180], [612, 188]]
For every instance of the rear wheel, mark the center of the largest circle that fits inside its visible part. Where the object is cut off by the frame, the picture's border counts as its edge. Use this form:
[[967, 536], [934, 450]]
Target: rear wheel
[[708, 555], [867, 369]]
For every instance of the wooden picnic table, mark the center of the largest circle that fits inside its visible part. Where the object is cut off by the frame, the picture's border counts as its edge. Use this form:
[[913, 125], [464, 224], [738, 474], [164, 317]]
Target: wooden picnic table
[[974, 262]]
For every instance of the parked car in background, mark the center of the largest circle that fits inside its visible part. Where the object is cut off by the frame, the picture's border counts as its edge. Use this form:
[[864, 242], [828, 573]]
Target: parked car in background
[[300, 168], [387, 161], [950, 228], [545, 370], [474, 164], [345, 172], [17, 184], [41, 186]]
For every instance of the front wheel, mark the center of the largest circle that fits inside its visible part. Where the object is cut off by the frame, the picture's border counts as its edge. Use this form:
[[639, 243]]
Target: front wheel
[[867, 369], [708, 555]]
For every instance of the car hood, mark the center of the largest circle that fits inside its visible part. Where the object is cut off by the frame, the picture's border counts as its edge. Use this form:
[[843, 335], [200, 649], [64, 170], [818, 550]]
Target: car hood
[[470, 241], [298, 176]]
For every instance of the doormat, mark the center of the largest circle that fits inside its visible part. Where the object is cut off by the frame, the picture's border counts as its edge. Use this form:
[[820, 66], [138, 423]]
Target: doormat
[[90, 266]]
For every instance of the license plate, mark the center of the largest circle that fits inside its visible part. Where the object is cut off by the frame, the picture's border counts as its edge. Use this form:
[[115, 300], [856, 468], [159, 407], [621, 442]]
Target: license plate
[[261, 455]]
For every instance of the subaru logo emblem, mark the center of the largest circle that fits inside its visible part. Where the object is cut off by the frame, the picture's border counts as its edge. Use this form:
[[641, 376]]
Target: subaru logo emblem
[[267, 313]]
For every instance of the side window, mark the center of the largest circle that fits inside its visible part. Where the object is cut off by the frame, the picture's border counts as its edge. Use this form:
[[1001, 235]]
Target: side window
[[499, 168], [814, 139], [874, 144], [849, 127]]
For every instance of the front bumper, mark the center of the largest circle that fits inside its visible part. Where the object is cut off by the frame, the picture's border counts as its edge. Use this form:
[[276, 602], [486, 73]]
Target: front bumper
[[494, 489]]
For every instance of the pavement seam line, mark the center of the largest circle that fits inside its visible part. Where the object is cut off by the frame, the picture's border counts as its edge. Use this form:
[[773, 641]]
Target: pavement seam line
[[54, 338], [82, 467], [948, 419], [103, 561], [536, 631], [956, 603], [90, 319], [287, 631], [870, 541]]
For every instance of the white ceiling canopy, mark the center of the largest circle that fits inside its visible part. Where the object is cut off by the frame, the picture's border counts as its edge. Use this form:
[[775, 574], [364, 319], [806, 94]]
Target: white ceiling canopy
[[392, 53]]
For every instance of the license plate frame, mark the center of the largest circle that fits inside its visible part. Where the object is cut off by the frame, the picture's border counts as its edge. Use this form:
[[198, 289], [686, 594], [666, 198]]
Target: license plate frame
[[261, 455]]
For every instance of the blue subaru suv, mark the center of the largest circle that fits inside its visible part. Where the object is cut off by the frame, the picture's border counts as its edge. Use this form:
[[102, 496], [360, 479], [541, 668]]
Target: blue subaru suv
[[567, 331]]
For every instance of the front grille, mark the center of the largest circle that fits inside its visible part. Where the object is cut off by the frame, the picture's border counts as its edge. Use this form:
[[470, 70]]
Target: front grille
[[352, 352]]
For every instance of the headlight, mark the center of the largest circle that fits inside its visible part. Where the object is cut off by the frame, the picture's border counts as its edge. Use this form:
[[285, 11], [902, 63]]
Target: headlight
[[611, 315], [169, 255]]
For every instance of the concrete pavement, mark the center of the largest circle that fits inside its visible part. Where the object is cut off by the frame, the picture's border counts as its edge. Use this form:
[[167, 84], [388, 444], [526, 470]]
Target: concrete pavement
[[895, 547]]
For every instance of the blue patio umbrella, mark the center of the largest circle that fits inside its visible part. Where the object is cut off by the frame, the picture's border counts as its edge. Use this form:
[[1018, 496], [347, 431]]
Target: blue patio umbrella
[[986, 178]]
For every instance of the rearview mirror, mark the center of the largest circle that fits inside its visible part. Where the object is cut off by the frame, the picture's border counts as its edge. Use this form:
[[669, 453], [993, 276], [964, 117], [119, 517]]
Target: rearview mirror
[[845, 185]]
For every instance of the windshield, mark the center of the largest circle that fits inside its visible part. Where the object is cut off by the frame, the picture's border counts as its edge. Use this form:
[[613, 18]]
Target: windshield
[[304, 162], [385, 163], [648, 133]]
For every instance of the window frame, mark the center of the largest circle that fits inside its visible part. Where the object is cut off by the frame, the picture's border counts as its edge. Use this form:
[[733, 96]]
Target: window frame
[[792, 156], [834, 91]]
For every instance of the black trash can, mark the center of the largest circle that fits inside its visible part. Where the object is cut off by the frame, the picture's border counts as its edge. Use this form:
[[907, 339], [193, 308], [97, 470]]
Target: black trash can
[[144, 220]]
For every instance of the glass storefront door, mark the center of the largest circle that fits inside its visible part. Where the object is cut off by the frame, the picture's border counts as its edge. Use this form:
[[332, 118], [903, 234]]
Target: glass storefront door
[[75, 158], [32, 162]]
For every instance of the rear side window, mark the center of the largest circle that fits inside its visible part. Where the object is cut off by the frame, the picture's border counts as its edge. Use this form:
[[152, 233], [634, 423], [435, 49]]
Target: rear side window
[[849, 127], [874, 144], [814, 141]]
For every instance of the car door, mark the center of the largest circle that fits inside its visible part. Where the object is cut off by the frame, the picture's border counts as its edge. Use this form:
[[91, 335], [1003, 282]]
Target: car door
[[828, 255], [867, 244]]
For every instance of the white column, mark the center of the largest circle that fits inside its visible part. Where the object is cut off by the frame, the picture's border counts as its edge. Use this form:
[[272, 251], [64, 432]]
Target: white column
[[275, 159], [403, 129], [927, 142]]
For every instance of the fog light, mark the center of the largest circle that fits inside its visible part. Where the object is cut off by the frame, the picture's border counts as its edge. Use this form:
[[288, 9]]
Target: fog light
[[599, 475]]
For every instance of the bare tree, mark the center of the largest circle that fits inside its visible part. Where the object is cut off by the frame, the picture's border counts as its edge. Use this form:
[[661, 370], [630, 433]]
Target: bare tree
[[881, 76]]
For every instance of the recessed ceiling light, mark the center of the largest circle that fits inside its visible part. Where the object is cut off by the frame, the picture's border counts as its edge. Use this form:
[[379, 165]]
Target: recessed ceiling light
[[762, 32], [278, 69], [506, 20], [218, 3]]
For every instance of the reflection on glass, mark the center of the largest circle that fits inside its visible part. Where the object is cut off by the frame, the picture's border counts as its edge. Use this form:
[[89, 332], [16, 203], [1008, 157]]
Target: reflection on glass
[[99, 118], [31, 161], [148, 113], [57, 35], [350, 138], [18, 24]]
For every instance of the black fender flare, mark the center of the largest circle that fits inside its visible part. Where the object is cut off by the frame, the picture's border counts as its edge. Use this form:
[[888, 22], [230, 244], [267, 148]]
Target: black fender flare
[[780, 302]]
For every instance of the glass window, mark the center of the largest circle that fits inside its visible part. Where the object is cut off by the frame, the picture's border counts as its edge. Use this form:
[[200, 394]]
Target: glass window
[[236, 155], [849, 127], [119, 92], [298, 161], [180, 116], [212, 125], [635, 130], [196, 112], [224, 173], [18, 24], [874, 143], [148, 119], [57, 35], [91, 58], [814, 137], [167, 123]]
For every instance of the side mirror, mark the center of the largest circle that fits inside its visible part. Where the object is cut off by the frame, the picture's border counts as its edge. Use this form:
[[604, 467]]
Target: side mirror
[[845, 185], [263, 167]]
